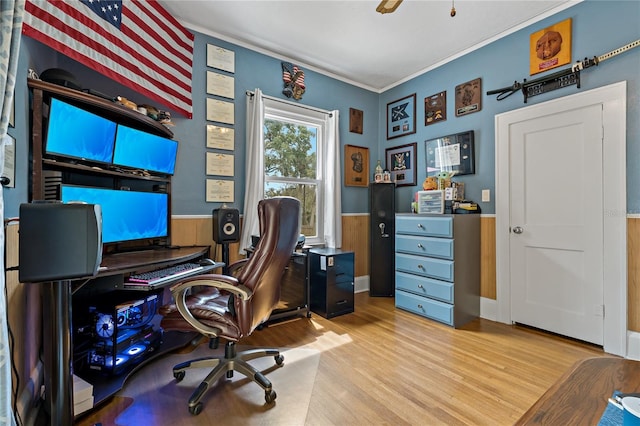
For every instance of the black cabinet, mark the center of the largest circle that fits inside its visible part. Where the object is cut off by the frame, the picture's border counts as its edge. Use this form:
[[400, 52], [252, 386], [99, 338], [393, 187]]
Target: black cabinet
[[331, 281], [382, 211]]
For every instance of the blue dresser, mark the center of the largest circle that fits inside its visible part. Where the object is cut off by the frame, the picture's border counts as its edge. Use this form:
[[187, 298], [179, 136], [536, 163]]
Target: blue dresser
[[438, 266]]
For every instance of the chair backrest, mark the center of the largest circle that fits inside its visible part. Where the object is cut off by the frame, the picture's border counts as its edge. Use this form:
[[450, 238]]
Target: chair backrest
[[279, 220]]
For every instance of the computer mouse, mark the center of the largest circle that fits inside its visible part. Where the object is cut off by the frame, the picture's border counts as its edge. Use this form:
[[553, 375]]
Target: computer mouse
[[207, 262]]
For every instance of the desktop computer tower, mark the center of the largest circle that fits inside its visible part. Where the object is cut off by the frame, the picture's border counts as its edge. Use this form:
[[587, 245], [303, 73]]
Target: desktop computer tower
[[382, 230]]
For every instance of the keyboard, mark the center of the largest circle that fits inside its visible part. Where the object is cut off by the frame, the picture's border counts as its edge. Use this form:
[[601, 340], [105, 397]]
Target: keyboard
[[160, 276]]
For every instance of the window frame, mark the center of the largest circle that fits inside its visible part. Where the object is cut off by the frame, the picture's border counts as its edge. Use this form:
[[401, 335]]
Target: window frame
[[302, 116]]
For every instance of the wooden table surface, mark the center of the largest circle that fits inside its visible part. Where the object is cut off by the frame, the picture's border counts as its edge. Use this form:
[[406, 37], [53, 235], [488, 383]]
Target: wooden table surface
[[580, 395]]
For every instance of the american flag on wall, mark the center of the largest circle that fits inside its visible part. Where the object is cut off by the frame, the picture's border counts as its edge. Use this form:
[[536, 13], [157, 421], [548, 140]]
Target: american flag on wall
[[136, 43]]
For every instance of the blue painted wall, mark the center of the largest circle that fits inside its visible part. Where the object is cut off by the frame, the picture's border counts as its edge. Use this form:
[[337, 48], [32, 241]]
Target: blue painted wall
[[598, 27]]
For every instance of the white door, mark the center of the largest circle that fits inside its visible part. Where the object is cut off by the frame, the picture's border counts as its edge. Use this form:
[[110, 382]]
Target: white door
[[556, 238]]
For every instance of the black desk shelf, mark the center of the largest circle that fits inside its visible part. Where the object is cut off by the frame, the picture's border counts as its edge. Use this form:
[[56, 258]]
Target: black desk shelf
[[105, 386]]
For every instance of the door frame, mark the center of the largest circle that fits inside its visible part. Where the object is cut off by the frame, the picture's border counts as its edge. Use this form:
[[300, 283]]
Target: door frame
[[614, 101]]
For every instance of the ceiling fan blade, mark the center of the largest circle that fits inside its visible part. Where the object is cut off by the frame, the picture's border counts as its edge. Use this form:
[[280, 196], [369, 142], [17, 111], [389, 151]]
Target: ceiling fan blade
[[388, 6]]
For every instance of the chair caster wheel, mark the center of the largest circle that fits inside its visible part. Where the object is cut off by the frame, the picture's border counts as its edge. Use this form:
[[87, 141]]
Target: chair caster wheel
[[279, 359], [196, 409], [178, 375], [270, 396]]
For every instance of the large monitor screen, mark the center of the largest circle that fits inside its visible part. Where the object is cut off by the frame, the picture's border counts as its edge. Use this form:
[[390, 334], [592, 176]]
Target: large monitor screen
[[126, 215], [79, 134], [141, 150]]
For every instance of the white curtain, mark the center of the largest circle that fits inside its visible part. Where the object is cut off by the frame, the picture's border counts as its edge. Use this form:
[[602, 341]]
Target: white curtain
[[11, 14], [254, 183], [254, 168], [333, 184]]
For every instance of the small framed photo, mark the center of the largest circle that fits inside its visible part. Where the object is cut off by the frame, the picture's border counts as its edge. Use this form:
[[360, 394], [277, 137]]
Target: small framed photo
[[401, 163], [469, 97], [355, 120], [356, 166], [435, 108], [401, 117]]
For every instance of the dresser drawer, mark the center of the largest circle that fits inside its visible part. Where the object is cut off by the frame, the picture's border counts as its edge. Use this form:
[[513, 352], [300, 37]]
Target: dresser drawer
[[428, 226], [425, 266], [422, 286], [429, 308], [425, 246]]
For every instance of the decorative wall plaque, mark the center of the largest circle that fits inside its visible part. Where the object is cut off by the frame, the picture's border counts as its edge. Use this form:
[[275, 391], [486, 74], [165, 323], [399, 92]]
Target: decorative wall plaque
[[469, 97]]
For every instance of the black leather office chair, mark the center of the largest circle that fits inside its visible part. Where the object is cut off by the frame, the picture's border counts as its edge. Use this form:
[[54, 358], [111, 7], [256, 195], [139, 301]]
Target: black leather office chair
[[232, 306]]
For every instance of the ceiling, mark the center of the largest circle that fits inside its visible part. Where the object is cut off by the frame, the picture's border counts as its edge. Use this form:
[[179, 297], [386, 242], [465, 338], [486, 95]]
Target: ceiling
[[350, 41]]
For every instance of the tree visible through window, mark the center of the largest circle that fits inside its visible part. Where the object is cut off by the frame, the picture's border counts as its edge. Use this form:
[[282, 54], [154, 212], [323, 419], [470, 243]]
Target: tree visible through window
[[291, 167]]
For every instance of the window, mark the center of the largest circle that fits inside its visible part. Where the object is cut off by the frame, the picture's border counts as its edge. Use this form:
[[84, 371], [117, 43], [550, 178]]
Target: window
[[294, 138]]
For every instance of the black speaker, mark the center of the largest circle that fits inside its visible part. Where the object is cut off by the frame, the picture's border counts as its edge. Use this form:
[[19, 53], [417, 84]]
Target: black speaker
[[226, 225], [382, 220], [59, 241]]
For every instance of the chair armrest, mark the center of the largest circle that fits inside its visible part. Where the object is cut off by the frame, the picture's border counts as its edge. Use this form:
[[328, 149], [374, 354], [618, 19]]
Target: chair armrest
[[223, 282], [236, 266]]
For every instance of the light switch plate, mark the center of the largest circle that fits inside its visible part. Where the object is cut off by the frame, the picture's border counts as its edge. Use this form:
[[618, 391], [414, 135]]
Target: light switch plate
[[486, 195]]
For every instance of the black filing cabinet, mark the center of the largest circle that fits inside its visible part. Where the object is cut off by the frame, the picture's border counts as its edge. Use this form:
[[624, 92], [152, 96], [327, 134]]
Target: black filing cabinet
[[331, 276]]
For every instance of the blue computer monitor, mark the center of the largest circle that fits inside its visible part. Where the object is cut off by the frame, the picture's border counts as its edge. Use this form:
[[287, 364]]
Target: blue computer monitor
[[145, 151], [78, 134], [126, 215]]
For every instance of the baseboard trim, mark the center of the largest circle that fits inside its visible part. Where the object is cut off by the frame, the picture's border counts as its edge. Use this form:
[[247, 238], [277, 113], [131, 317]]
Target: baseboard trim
[[633, 345], [361, 284], [488, 309]]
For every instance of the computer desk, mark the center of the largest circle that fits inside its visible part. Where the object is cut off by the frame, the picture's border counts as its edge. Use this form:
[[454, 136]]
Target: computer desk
[[57, 340], [580, 396]]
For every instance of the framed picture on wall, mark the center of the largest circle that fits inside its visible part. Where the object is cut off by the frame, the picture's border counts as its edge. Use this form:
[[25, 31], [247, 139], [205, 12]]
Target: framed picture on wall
[[550, 47], [451, 153], [401, 117], [469, 97], [356, 166], [401, 163], [435, 108]]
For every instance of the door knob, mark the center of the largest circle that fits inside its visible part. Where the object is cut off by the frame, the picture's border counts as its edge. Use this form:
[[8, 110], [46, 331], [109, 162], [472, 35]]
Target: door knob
[[518, 230]]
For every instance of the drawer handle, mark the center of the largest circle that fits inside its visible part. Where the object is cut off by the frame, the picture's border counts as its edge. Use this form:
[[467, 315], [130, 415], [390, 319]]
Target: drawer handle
[[420, 306], [341, 302], [420, 286], [421, 267], [420, 246], [420, 226]]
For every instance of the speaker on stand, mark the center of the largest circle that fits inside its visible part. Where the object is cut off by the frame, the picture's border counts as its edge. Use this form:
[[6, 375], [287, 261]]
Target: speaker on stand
[[226, 230], [58, 242], [382, 222]]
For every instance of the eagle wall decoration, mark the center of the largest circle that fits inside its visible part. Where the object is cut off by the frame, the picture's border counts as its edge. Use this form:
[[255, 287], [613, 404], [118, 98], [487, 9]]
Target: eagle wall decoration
[[293, 78]]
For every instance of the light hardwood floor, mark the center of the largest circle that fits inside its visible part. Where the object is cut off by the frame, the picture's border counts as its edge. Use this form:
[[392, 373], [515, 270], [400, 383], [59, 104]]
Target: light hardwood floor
[[383, 366]]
